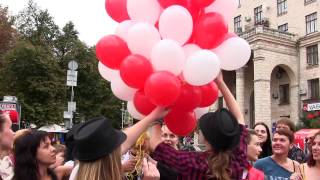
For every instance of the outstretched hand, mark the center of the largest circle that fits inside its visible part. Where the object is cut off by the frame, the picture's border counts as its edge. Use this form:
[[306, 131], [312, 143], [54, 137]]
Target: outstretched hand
[[158, 113]]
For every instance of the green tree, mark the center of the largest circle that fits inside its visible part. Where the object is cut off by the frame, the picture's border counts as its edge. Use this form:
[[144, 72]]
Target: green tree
[[37, 26], [93, 94], [35, 71], [7, 32], [37, 80]]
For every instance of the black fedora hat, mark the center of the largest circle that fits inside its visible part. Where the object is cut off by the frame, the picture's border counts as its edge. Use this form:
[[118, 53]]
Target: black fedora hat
[[221, 129], [96, 138]]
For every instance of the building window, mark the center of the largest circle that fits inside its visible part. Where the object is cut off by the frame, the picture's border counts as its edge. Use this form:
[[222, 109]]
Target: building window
[[308, 1], [237, 24], [284, 93], [258, 14], [283, 27], [314, 88], [312, 55], [282, 6], [311, 23]]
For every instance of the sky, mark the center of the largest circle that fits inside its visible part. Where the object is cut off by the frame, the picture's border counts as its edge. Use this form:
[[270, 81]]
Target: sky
[[89, 17]]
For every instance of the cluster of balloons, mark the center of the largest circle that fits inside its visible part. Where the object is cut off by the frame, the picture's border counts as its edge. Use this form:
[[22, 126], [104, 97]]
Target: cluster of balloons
[[167, 53]]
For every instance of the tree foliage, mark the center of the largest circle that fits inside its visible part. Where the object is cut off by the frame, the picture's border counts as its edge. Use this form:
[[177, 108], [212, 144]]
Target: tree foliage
[[7, 32], [35, 68]]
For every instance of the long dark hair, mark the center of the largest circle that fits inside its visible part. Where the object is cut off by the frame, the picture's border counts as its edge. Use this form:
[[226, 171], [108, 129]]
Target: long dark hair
[[25, 151], [266, 147]]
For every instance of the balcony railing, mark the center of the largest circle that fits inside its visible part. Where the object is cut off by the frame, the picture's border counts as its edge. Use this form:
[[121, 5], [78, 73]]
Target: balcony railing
[[268, 31]]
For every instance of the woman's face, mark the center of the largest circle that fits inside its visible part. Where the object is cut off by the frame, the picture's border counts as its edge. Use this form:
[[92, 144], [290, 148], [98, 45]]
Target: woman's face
[[7, 135], [262, 133], [168, 137], [316, 148], [46, 153], [280, 144], [254, 148]]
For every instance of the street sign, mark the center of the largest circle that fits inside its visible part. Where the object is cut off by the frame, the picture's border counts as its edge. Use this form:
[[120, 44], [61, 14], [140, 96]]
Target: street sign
[[73, 65], [71, 106], [72, 78], [10, 99], [67, 114]]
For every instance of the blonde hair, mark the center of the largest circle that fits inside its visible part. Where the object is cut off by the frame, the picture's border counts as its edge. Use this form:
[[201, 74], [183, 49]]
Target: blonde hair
[[219, 165], [108, 167]]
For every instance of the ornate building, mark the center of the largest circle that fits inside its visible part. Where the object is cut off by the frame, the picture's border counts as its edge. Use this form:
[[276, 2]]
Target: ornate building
[[283, 73]]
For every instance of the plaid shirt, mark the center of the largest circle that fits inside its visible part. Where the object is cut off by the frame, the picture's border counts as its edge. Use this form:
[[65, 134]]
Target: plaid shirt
[[194, 165]]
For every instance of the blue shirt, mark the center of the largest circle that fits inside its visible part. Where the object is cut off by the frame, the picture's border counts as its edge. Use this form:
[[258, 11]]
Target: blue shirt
[[272, 170]]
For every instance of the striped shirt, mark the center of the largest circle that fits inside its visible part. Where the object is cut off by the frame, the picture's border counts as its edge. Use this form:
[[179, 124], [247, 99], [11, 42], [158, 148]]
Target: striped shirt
[[194, 165]]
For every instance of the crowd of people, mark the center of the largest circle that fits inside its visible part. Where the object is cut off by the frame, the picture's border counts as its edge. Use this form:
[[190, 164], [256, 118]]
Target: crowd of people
[[148, 150]]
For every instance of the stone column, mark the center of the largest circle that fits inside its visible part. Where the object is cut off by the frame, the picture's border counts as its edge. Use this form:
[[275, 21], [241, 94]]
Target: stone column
[[262, 97], [262, 101], [240, 90], [294, 103]]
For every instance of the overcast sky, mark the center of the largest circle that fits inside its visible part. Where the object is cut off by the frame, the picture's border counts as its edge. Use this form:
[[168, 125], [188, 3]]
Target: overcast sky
[[89, 17]]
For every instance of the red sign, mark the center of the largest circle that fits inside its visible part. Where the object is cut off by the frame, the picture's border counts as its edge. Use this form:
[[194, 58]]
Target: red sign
[[11, 109], [301, 135]]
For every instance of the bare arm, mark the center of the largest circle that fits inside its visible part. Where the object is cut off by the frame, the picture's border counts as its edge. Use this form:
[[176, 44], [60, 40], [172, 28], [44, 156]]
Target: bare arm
[[155, 139], [231, 102], [136, 130]]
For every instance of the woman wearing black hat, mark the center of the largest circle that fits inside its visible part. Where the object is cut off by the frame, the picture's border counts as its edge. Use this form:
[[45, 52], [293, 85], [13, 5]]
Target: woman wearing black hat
[[225, 136], [98, 147]]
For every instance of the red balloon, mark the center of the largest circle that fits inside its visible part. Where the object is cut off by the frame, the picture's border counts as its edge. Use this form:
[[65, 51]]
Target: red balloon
[[189, 99], [229, 35], [135, 70], [192, 8], [111, 51], [13, 114], [167, 3], [203, 3], [210, 30], [210, 93], [117, 9], [180, 123], [162, 88], [190, 5], [142, 103]]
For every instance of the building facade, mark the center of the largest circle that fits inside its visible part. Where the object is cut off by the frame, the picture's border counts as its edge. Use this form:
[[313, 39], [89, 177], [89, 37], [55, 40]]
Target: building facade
[[283, 73]]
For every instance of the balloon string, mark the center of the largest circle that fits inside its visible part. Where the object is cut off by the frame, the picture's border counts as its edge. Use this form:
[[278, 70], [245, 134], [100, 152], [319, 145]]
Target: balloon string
[[141, 153]]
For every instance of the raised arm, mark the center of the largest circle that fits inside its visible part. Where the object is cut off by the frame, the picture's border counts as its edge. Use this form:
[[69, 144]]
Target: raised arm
[[136, 130], [231, 102], [155, 138]]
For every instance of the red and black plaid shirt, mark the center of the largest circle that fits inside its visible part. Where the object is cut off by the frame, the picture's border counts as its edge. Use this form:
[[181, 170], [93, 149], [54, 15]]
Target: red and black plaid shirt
[[194, 165]]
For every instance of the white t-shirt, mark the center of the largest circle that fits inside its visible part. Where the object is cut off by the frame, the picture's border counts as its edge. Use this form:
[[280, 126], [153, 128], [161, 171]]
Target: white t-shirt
[[74, 172]]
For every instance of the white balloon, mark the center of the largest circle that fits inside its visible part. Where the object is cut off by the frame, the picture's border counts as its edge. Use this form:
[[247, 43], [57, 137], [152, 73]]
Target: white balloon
[[168, 55], [201, 68], [107, 73], [233, 53], [176, 23], [123, 28], [141, 39], [201, 111], [121, 90], [189, 49], [226, 8], [144, 10], [133, 111]]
